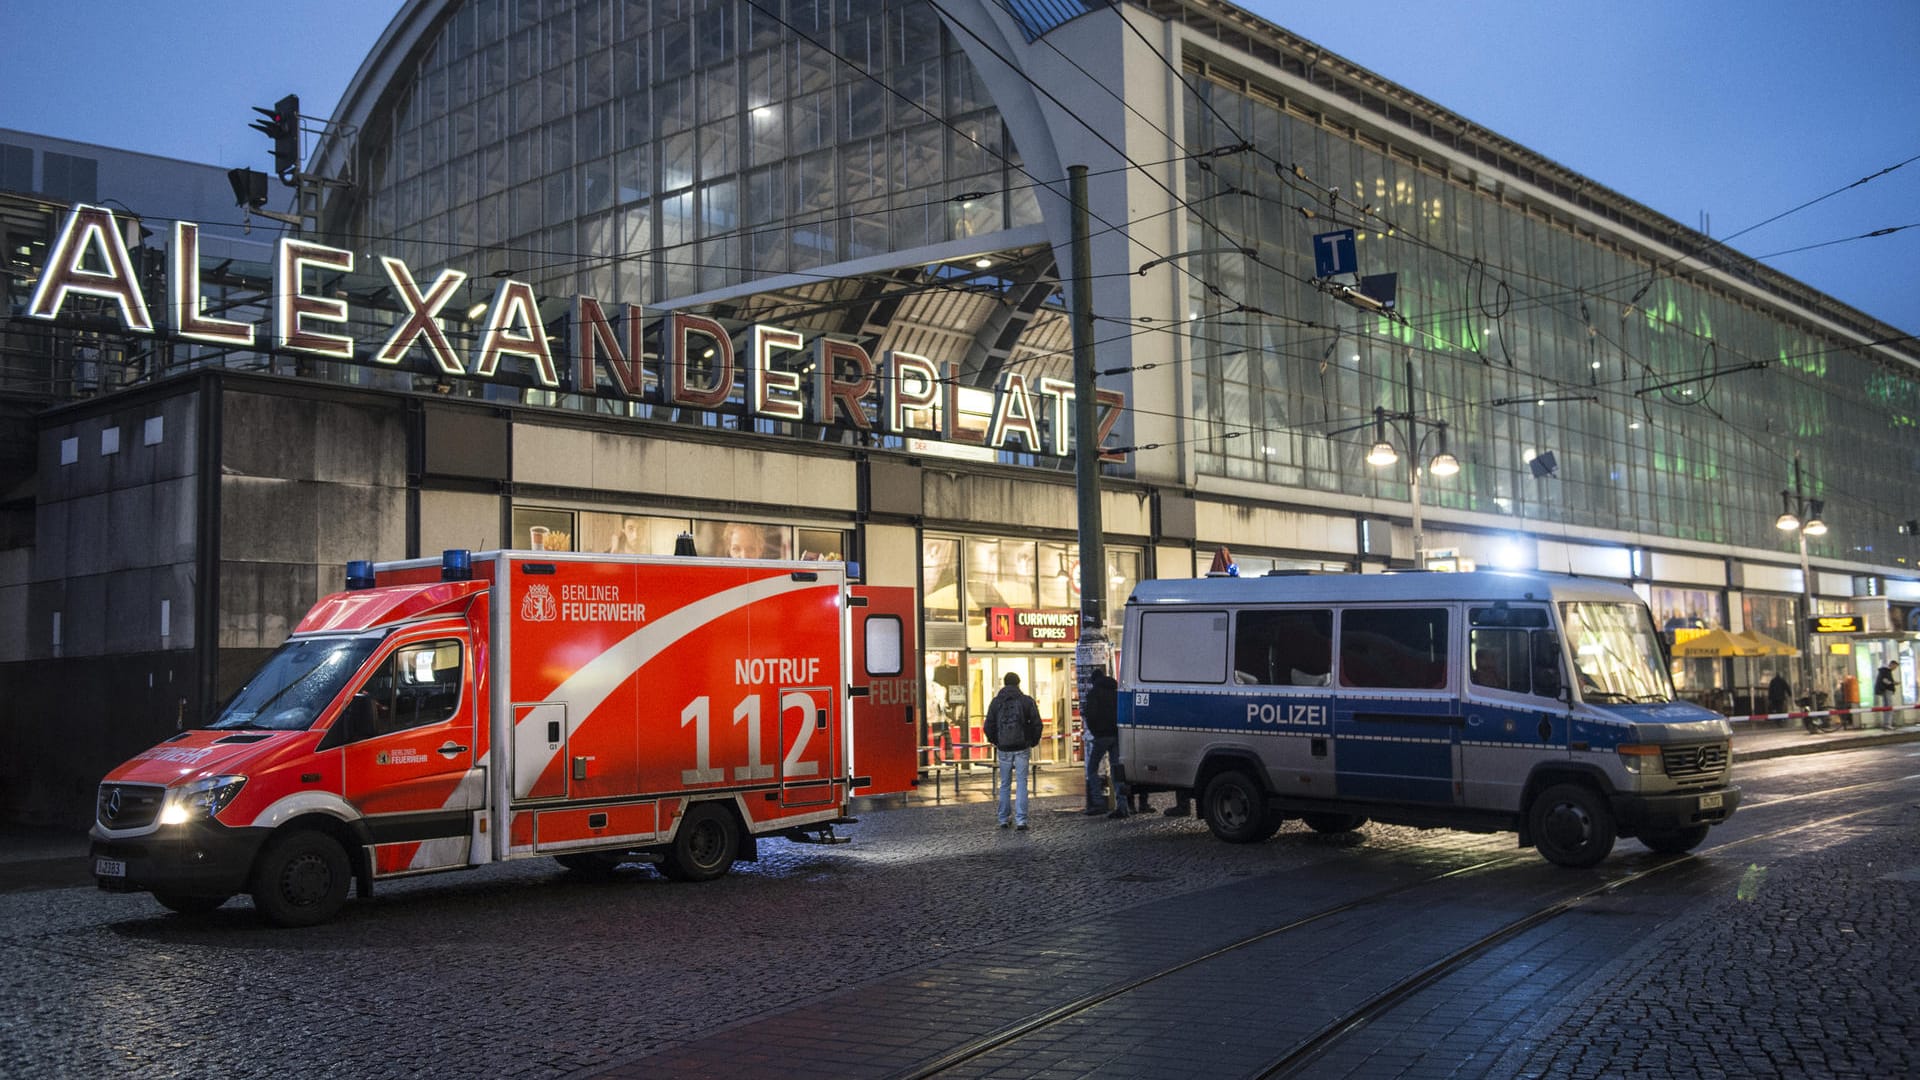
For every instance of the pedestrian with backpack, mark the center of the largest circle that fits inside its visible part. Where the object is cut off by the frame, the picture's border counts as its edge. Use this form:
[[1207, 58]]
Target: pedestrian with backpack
[[1100, 713], [1013, 727]]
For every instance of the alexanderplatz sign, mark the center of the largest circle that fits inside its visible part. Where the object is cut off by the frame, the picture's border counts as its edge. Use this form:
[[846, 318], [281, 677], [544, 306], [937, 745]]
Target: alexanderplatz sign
[[826, 382]]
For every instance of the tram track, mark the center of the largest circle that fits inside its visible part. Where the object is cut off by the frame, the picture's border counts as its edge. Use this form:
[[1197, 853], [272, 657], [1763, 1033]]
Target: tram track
[[1317, 1043]]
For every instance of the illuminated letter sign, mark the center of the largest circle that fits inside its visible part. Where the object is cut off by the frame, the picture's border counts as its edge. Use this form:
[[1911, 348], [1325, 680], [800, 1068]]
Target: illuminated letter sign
[[1838, 624], [770, 392], [1013, 413], [1048, 625], [903, 399], [673, 346], [293, 305], [423, 317], [834, 384], [89, 229], [183, 294], [514, 329], [596, 338], [835, 394]]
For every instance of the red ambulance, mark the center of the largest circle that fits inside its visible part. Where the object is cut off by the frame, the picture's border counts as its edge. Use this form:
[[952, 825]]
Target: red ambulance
[[515, 704]]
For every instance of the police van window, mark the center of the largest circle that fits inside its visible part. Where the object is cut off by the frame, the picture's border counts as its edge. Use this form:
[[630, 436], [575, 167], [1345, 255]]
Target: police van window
[[1283, 648], [1394, 648], [1500, 647], [1502, 659], [418, 684], [1183, 646]]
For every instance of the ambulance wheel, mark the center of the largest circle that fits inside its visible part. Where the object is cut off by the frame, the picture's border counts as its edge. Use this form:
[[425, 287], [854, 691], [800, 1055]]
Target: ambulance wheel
[[301, 880], [591, 864], [189, 905], [1333, 823], [1675, 841], [1236, 809], [1572, 825], [704, 847]]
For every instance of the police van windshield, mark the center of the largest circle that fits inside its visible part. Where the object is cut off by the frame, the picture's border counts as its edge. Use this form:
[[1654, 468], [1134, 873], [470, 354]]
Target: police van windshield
[[295, 683], [1615, 652]]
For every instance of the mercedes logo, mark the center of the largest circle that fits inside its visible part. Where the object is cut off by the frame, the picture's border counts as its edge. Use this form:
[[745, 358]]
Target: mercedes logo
[[113, 804]]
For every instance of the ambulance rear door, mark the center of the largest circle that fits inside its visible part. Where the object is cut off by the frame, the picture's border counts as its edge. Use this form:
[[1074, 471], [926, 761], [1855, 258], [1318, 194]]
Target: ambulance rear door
[[884, 690]]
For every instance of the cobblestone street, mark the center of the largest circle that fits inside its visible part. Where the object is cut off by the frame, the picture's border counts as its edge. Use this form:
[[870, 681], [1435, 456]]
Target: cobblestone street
[[1788, 956]]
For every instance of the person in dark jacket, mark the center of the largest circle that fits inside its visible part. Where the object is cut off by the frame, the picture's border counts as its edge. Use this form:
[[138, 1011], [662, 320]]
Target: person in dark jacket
[[1013, 727], [1100, 713], [1777, 693]]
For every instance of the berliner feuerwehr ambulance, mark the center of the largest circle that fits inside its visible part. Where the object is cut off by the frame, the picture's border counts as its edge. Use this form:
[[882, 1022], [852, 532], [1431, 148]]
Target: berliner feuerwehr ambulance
[[510, 704]]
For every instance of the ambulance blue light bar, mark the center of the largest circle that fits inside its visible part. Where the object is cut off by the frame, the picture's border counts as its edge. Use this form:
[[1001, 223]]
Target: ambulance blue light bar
[[360, 574], [456, 564]]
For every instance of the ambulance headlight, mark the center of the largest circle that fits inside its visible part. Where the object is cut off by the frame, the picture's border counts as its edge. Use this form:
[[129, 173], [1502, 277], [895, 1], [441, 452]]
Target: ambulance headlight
[[200, 800]]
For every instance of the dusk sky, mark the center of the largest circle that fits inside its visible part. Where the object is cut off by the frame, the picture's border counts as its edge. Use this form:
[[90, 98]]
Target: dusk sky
[[1718, 113]]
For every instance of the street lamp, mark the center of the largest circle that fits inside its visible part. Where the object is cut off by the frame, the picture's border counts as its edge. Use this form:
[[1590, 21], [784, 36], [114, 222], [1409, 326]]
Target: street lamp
[[1415, 434], [1801, 516]]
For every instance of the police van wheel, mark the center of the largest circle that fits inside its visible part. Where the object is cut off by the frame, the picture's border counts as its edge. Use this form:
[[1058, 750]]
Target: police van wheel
[[1675, 841], [189, 905], [1333, 823], [1236, 809], [705, 846], [1572, 825], [302, 880]]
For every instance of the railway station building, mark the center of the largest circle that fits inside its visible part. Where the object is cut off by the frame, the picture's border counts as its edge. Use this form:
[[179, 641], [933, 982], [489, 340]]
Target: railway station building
[[795, 278]]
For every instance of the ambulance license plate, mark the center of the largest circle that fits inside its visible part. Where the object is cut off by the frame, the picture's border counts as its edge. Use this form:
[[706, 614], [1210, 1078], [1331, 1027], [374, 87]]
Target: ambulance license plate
[[1711, 801], [109, 868]]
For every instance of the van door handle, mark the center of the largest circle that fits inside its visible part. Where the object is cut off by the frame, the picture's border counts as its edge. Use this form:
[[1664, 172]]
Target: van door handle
[[449, 748]]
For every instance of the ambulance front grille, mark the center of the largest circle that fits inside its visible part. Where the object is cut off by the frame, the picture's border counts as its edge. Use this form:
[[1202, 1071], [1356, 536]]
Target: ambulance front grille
[[1686, 761], [128, 806]]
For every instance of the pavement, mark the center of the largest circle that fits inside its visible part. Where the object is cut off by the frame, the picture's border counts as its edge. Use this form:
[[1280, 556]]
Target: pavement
[[43, 856]]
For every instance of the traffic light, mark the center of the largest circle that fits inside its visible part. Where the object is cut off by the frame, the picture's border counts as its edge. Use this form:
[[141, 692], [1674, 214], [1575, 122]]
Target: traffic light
[[282, 124], [249, 187]]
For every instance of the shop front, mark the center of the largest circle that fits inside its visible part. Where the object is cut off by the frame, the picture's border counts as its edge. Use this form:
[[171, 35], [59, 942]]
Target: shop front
[[997, 606]]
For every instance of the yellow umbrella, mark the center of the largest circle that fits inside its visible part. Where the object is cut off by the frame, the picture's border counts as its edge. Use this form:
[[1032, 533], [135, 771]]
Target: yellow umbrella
[[1715, 643]]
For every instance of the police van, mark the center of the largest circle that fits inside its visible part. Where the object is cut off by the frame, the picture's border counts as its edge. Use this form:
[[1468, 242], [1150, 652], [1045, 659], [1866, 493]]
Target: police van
[[1490, 702]]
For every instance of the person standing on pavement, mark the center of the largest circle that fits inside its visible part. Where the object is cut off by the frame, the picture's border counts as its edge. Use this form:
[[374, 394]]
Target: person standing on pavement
[[1778, 691], [1013, 727], [1885, 686], [1101, 715]]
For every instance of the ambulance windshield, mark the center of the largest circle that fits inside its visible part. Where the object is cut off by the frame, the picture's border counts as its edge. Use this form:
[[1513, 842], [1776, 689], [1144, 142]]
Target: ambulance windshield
[[1616, 653], [291, 688]]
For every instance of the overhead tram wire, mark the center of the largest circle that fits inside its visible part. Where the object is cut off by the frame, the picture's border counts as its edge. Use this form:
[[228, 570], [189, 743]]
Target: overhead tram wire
[[1395, 232]]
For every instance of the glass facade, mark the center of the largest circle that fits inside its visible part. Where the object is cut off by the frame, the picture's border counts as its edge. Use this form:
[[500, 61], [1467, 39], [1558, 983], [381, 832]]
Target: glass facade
[[1527, 329], [646, 149]]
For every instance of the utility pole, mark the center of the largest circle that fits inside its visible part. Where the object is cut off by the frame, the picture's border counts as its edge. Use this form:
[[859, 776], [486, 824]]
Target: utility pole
[[1093, 653]]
